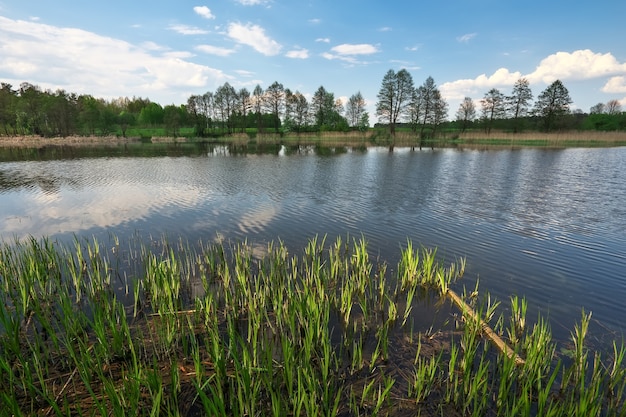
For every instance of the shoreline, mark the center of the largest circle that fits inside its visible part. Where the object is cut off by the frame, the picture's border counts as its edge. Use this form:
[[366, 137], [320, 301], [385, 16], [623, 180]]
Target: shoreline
[[495, 140]]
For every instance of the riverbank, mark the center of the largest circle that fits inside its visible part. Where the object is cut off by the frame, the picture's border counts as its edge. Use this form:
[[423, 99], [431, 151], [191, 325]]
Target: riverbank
[[351, 139]]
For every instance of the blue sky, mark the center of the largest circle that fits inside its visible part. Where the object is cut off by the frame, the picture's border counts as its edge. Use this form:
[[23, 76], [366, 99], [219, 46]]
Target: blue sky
[[167, 50]]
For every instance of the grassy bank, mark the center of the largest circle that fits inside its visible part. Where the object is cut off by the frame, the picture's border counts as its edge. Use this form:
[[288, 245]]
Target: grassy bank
[[164, 328], [372, 137]]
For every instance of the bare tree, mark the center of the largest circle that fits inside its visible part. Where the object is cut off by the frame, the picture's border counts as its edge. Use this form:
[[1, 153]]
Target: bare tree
[[258, 105], [275, 102], [355, 109], [466, 113], [613, 107], [493, 107], [428, 108]]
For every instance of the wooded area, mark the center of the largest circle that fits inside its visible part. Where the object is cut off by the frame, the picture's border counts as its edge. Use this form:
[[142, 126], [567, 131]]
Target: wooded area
[[30, 110]]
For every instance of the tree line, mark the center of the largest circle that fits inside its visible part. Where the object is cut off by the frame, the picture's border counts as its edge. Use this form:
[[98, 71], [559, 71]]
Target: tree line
[[424, 110], [30, 110]]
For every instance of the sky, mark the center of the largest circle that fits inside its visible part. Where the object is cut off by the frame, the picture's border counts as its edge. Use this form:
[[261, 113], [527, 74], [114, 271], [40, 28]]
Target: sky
[[167, 50]]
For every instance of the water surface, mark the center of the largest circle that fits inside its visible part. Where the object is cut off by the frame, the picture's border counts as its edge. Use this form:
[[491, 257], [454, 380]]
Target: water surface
[[549, 225]]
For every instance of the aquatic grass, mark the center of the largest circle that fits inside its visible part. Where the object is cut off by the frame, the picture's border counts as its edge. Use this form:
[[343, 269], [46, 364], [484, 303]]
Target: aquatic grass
[[167, 327]]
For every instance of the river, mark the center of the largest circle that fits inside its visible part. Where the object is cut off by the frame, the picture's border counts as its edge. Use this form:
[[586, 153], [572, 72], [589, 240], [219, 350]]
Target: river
[[549, 225]]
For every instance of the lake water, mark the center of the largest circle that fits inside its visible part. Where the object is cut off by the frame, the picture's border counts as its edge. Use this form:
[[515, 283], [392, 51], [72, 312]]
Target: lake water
[[549, 225]]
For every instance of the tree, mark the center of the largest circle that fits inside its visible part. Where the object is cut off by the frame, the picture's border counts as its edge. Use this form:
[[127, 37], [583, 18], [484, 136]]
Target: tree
[[125, 120], [151, 115], [466, 113], [493, 107], [275, 102], [519, 101], [296, 110], [322, 106], [8, 110], [245, 106], [257, 105], [355, 109], [597, 109], [173, 117], [427, 107], [613, 107], [394, 97], [225, 104], [552, 104]]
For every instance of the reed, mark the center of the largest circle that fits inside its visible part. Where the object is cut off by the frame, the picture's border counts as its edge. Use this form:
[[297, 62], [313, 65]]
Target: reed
[[179, 329]]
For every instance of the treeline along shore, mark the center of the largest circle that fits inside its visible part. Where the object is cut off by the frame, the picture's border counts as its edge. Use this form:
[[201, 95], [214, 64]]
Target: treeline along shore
[[405, 114]]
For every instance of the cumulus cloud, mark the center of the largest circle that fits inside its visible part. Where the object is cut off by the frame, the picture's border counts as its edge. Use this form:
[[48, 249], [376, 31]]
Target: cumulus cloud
[[615, 85], [204, 11], [84, 62], [324, 40], [298, 54], [214, 50], [577, 65], [466, 87], [255, 37], [187, 30]]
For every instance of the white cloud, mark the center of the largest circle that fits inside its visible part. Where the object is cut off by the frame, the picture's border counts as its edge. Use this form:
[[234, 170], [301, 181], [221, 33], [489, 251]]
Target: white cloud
[[254, 36], [615, 85], [298, 53], [214, 50], [86, 63], [385, 29], [354, 49], [315, 21], [458, 89], [204, 11], [577, 65], [466, 38], [187, 30], [324, 40]]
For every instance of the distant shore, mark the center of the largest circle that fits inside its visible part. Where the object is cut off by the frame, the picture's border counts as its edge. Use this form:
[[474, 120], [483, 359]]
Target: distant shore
[[463, 140]]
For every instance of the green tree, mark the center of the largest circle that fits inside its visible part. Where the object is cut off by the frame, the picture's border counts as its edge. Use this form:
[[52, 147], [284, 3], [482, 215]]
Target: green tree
[[8, 108], [519, 102], [151, 115], [493, 107], [125, 120], [394, 97], [552, 105], [173, 118], [322, 105]]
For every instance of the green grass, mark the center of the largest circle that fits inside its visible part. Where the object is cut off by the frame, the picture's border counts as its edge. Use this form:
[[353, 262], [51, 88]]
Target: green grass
[[170, 328]]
